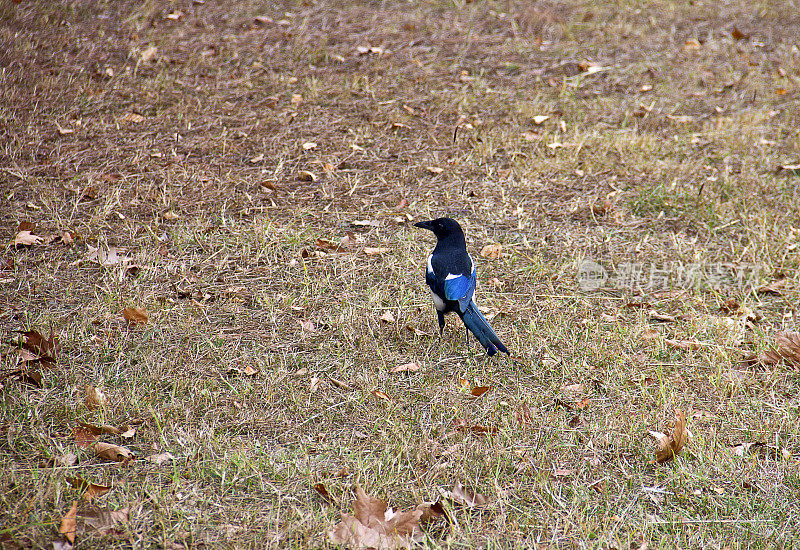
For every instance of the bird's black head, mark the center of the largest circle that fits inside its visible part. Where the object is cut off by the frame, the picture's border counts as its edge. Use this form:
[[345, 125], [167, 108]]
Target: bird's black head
[[442, 227]]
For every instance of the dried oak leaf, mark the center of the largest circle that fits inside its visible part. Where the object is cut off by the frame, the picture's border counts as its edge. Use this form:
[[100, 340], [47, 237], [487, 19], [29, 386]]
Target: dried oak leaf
[[480, 390], [405, 367], [775, 288], [46, 348], [431, 511], [26, 238], [323, 492], [373, 525], [381, 395], [135, 315], [115, 453], [160, 458], [787, 350], [388, 317], [90, 490], [95, 398], [69, 522], [492, 251], [85, 436], [669, 446], [107, 257], [102, 520], [461, 424], [127, 431], [467, 497]]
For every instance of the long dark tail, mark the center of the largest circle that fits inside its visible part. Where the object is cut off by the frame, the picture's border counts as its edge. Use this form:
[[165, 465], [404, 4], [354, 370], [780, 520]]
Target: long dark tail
[[479, 326]]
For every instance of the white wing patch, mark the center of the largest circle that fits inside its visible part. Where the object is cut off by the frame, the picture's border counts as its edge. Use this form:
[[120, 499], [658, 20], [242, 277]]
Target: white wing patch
[[451, 276], [430, 265]]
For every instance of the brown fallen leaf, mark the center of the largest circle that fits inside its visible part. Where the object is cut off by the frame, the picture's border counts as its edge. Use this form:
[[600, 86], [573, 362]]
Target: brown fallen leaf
[[574, 389], [467, 497], [114, 453], [26, 374], [381, 395], [26, 238], [669, 446], [660, 317], [38, 344], [249, 370], [736, 34], [761, 449], [135, 315], [492, 251], [478, 429], [305, 175], [69, 523], [102, 520], [85, 437], [340, 383], [480, 390], [67, 459], [107, 257], [388, 317], [775, 288], [789, 169], [136, 117], [687, 345], [307, 325], [787, 350], [95, 398], [730, 306], [327, 245], [372, 525], [431, 511], [323, 492], [583, 403], [405, 367], [160, 458], [370, 251], [416, 331], [90, 490], [125, 431], [562, 473]]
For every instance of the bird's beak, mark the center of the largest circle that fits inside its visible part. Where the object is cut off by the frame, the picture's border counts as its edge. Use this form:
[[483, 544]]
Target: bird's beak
[[424, 225]]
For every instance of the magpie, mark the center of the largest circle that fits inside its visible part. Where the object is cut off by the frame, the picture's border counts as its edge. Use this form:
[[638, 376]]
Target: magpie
[[451, 276]]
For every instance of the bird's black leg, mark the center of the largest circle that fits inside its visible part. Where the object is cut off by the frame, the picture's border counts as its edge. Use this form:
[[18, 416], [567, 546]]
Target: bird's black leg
[[440, 316], [466, 339]]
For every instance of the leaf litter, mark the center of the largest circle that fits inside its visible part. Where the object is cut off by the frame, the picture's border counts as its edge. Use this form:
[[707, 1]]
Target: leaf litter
[[670, 445]]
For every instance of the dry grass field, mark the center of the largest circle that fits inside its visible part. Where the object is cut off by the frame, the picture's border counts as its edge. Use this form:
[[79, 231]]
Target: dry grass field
[[247, 175]]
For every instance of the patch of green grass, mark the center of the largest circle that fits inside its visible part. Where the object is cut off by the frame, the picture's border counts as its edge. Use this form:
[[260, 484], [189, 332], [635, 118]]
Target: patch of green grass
[[667, 156]]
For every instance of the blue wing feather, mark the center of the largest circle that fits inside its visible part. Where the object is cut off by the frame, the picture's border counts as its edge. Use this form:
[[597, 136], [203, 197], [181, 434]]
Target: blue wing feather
[[460, 289]]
